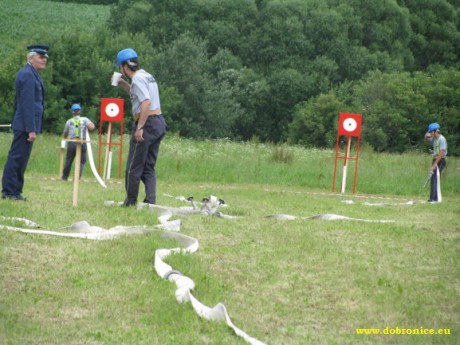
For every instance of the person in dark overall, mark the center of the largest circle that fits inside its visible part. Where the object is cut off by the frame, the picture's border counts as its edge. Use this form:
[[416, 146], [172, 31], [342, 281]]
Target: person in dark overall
[[29, 105], [75, 128], [435, 138], [148, 128]]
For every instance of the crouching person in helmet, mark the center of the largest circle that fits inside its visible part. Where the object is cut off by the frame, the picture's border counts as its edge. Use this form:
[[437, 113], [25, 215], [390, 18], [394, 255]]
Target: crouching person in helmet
[[435, 138], [149, 127]]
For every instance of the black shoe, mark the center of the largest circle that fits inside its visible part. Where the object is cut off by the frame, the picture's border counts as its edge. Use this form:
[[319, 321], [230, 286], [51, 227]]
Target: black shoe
[[19, 197], [128, 203]]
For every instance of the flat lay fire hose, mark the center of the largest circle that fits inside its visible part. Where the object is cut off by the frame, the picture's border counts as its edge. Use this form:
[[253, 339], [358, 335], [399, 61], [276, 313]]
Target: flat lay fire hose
[[184, 284]]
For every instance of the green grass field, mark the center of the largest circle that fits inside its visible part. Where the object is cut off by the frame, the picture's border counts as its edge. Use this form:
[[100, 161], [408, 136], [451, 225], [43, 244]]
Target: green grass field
[[283, 282], [24, 22], [293, 282]]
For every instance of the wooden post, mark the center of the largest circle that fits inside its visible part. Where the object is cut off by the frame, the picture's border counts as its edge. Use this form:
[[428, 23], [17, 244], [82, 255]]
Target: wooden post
[[61, 157], [345, 166], [61, 161], [109, 168], [77, 173], [107, 150]]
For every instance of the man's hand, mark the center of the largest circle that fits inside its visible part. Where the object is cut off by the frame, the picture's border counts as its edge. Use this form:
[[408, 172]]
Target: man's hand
[[124, 85], [138, 135], [32, 137]]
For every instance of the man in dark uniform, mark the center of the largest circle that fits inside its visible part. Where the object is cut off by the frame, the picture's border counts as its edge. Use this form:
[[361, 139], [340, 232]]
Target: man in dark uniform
[[27, 122]]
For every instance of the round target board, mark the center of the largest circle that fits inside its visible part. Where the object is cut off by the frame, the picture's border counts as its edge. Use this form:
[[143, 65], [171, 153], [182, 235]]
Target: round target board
[[112, 109], [350, 124]]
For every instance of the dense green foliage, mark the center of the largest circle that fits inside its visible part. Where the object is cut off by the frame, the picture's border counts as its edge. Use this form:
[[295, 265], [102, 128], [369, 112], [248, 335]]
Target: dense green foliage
[[280, 71], [401, 104]]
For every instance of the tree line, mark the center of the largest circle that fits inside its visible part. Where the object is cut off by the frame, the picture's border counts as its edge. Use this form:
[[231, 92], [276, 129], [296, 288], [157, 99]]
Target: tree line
[[279, 71]]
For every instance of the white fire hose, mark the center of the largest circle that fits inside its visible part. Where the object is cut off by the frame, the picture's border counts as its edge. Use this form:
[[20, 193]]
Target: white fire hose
[[184, 284]]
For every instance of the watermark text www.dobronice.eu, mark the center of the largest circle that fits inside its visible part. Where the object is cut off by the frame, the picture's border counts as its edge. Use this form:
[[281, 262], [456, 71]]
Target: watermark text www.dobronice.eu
[[403, 331]]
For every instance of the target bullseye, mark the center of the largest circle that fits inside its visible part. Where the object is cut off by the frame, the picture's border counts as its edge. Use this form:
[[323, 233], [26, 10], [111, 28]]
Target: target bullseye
[[112, 109], [350, 124]]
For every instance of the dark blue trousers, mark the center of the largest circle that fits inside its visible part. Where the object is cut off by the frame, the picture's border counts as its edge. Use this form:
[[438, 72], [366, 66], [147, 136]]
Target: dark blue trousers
[[16, 164], [142, 158], [70, 156]]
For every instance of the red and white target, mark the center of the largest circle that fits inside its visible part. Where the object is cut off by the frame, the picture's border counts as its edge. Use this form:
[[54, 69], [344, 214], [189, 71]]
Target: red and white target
[[112, 109], [350, 124]]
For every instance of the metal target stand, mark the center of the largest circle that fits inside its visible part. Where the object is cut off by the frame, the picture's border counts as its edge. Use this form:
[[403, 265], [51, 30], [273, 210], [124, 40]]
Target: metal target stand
[[349, 126], [111, 111]]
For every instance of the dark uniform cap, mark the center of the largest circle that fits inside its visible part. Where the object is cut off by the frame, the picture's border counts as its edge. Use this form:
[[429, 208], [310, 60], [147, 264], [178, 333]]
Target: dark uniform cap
[[41, 49]]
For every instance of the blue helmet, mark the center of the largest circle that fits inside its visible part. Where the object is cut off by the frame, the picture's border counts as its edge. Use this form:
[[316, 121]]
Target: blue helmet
[[433, 126], [125, 55], [76, 107]]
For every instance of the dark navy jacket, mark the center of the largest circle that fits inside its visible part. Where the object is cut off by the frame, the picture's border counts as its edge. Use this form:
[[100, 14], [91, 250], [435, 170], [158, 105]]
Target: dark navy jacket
[[29, 101]]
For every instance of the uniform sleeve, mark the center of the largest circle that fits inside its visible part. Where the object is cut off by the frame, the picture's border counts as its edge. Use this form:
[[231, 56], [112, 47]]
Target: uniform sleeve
[[27, 98]]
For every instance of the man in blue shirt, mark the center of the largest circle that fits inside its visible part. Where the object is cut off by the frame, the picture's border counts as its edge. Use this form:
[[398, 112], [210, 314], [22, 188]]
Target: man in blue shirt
[[27, 122]]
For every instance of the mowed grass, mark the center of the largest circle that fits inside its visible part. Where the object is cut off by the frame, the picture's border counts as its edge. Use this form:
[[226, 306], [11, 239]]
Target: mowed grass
[[283, 282]]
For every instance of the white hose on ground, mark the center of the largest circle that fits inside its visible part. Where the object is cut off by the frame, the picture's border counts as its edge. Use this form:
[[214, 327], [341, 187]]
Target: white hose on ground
[[184, 284], [91, 160]]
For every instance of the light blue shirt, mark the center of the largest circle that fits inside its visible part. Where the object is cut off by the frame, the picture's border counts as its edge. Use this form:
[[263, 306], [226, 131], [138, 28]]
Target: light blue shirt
[[143, 87], [439, 144], [72, 129]]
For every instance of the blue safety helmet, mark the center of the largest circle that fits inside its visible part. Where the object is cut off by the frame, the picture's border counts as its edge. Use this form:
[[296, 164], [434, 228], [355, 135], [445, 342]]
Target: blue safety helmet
[[125, 55], [433, 126], [76, 107]]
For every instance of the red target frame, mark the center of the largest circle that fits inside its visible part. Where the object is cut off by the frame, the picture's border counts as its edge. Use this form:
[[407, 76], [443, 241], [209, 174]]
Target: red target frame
[[349, 124], [112, 109]]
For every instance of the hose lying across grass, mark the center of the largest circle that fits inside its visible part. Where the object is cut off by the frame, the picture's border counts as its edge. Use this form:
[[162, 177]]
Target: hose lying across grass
[[184, 284]]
